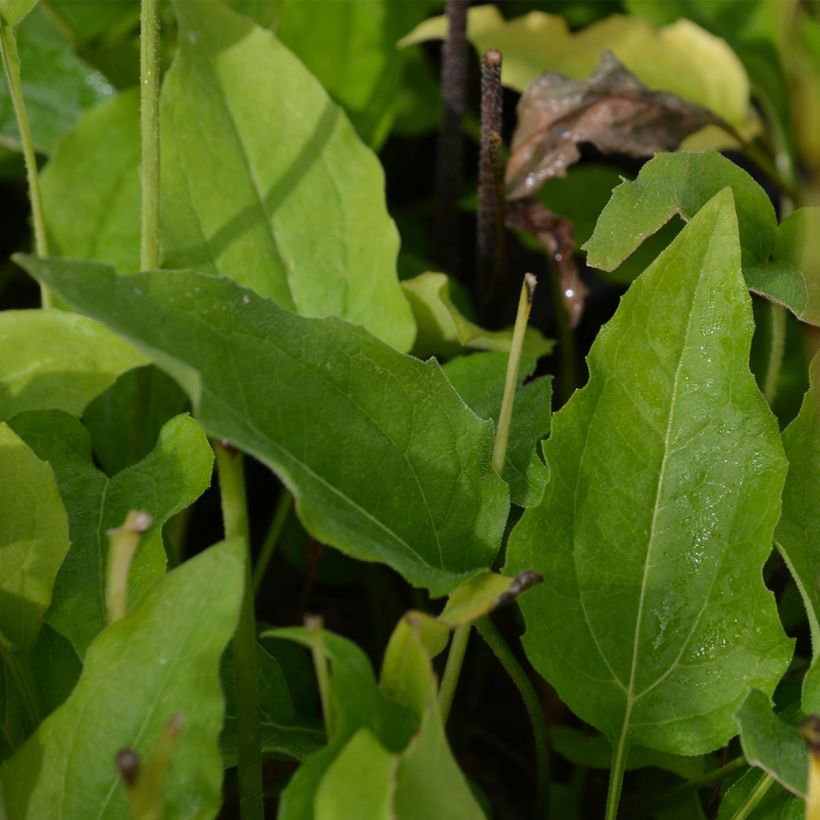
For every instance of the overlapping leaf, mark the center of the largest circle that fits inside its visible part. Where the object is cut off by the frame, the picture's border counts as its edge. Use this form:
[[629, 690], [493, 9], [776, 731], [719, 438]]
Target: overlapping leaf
[[665, 476], [161, 660], [51, 360], [292, 203], [168, 480], [383, 457]]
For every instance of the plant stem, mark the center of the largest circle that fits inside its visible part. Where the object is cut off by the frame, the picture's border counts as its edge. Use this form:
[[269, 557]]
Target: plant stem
[[754, 797], [149, 129], [502, 433], [616, 778], [452, 670], [777, 346], [450, 159], [284, 504], [313, 623], [697, 783], [123, 544], [230, 465], [492, 637], [20, 672], [566, 341], [11, 62]]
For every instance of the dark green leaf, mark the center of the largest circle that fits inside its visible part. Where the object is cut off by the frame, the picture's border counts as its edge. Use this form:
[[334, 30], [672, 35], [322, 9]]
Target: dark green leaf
[[385, 461], [665, 477], [159, 661], [292, 204], [168, 480]]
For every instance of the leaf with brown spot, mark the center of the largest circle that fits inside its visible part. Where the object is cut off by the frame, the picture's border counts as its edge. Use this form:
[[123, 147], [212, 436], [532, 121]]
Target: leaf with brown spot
[[611, 110]]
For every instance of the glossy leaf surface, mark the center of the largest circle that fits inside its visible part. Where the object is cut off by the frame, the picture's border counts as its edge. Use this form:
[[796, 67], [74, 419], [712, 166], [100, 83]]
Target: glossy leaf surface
[[168, 480], [292, 204], [160, 660], [665, 477], [33, 540], [51, 360], [385, 461], [91, 187]]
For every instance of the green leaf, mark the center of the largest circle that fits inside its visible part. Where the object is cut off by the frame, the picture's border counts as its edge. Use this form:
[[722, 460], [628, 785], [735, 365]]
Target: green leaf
[[57, 86], [33, 540], [479, 380], [363, 70], [167, 481], [160, 660], [292, 204], [13, 11], [776, 803], [91, 186], [665, 476], [681, 57], [443, 331], [51, 360], [384, 459], [771, 744], [481, 595]]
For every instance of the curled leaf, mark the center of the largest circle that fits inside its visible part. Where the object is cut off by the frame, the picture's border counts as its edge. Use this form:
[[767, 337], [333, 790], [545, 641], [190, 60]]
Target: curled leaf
[[611, 109]]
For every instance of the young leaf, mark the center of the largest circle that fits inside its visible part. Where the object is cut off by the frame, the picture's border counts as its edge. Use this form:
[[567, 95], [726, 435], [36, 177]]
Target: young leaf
[[33, 540], [160, 660], [91, 186], [479, 380], [444, 331], [52, 360], [384, 459], [771, 744], [291, 203], [482, 594], [13, 11], [168, 480], [610, 109], [665, 477]]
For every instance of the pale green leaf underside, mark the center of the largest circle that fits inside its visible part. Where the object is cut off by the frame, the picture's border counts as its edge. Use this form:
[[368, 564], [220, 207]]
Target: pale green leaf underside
[[166, 481], [665, 479], [33, 540], [385, 460], [162, 659], [52, 360], [264, 179]]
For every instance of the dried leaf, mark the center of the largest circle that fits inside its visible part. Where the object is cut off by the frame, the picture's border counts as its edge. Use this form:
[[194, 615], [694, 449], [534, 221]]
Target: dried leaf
[[611, 109]]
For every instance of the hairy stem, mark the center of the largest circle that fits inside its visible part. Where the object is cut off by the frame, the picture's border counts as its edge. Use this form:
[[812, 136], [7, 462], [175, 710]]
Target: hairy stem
[[230, 467], [452, 670], [11, 63], [450, 154], [777, 346], [502, 433], [284, 504], [492, 637], [149, 130]]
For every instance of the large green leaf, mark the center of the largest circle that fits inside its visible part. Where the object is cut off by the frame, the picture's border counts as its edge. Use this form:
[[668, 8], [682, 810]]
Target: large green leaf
[[479, 380], [361, 69], [779, 262], [51, 360], [33, 540], [91, 186], [267, 181], [665, 476], [160, 660], [385, 461], [168, 480], [57, 86], [681, 57]]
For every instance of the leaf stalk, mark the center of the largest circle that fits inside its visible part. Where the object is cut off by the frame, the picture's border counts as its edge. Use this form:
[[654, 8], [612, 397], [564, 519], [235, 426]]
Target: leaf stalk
[[313, 624], [123, 544], [149, 133]]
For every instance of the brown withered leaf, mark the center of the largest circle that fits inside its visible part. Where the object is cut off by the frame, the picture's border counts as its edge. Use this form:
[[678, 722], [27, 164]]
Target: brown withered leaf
[[611, 109]]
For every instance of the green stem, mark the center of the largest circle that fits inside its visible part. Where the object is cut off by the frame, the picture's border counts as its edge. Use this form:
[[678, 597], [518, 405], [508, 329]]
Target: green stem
[[452, 670], [566, 341], [777, 346], [502, 433], [20, 673], [754, 797], [492, 637], [149, 129], [11, 62], [230, 467], [123, 543], [284, 504], [697, 783], [616, 777], [313, 623]]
